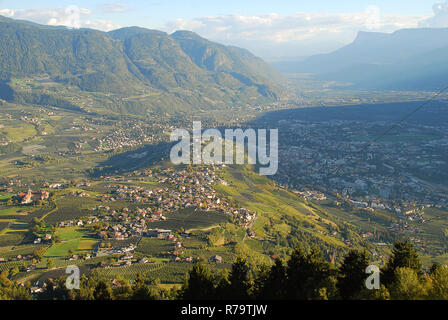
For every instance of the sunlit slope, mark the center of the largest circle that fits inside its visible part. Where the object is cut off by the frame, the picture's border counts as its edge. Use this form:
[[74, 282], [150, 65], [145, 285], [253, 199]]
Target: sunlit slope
[[284, 218]]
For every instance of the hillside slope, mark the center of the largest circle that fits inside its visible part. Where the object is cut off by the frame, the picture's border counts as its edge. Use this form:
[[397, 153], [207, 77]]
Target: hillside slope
[[284, 219], [142, 69]]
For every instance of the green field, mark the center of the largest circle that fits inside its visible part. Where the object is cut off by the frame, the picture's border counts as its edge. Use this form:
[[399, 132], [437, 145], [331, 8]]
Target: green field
[[4, 198], [5, 211], [72, 238], [69, 233], [17, 131], [62, 249]]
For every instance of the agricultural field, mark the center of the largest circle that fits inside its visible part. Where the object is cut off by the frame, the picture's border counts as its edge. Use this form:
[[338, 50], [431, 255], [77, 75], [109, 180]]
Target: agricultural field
[[190, 219], [62, 249], [14, 223], [8, 252], [17, 131], [9, 265], [10, 239], [13, 211], [56, 273], [75, 239], [172, 273], [282, 218], [130, 272], [3, 225], [5, 197], [154, 247], [71, 208]]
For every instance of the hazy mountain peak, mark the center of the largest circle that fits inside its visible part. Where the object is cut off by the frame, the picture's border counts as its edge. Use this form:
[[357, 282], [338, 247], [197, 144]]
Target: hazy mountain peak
[[369, 36], [128, 32], [405, 59], [186, 35]]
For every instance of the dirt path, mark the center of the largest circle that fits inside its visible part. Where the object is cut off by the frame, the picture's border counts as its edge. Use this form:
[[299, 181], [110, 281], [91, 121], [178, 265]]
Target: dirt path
[[202, 229]]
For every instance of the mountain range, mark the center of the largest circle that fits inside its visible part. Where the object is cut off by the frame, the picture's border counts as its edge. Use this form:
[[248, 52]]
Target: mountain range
[[141, 69], [409, 59]]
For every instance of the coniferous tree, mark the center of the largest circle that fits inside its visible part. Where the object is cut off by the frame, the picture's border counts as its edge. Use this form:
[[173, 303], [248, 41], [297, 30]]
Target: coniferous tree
[[240, 280], [352, 276], [309, 276], [142, 291], [223, 286], [199, 285], [103, 291], [272, 284], [403, 255]]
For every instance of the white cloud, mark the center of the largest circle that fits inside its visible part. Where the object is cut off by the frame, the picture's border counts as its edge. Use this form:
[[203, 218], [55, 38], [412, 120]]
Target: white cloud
[[440, 18], [298, 26], [100, 24], [72, 17], [6, 12], [310, 30]]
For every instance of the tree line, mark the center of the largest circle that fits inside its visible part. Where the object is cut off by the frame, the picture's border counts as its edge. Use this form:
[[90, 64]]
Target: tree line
[[306, 275]]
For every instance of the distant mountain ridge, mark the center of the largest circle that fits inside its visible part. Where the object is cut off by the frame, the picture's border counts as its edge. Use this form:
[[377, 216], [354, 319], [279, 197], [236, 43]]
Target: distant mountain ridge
[[404, 59], [182, 68]]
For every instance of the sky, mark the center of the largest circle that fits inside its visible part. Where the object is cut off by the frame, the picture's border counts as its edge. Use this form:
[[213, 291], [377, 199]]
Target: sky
[[273, 30]]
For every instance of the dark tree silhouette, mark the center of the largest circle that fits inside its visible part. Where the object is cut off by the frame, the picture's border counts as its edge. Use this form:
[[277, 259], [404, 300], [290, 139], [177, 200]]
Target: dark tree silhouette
[[199, 285], [309, 276], [273, 282], [351, 279], [103, 291], [403, 255]]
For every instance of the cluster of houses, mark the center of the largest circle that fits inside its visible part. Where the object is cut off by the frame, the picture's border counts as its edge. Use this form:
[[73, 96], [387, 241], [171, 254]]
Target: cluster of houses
[[312, 195], [181, 189], [123, 250], [125, 224], [176, 190], [128, 134], [403, 227], [30, 196]]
